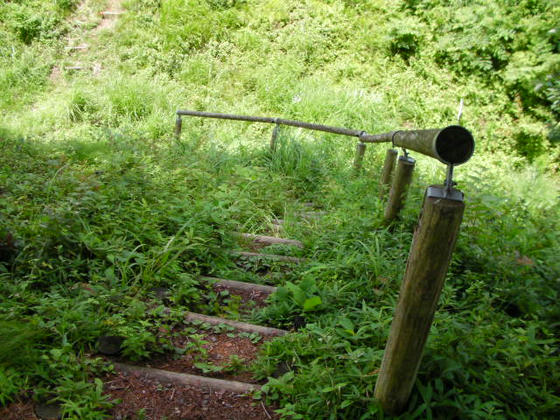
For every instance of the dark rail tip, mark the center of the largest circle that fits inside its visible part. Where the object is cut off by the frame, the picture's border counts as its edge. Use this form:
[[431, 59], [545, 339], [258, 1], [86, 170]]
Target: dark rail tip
[[454, 145]]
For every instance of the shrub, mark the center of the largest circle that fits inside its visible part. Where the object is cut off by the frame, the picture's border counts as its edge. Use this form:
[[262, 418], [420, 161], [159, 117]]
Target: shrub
[[405, 37]]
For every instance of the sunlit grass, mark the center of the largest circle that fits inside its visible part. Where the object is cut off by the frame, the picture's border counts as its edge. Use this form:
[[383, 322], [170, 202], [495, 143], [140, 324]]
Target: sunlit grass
[[96, 191]]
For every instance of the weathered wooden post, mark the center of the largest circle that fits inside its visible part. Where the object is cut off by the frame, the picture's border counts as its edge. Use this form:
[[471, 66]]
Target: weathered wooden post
[[178, 126], [387, 173], [399, 187], [274, 137], [428, 261], [359, 157]]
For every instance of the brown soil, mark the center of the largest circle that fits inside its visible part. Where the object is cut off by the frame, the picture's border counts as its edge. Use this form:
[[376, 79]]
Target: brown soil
[[252, 299], [159, 401], [18, 411], [55, 74], [109, 22], [220, 348]]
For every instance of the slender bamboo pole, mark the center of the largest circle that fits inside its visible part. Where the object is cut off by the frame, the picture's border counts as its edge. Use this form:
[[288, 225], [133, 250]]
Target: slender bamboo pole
[[451, 145], [359, 157], [387, 174], [399, 187], [428, 261], [178, 126]]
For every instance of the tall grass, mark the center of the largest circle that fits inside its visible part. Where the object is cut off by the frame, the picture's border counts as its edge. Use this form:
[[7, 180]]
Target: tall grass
[[100, 204]]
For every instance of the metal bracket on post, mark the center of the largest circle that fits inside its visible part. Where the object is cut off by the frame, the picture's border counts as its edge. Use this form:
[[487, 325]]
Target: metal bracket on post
[[436, 191], [447, 191]]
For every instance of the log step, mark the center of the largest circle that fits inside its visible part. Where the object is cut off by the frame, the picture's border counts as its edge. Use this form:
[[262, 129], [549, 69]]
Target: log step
[[241, 326], [269, 240], [74, 68], [111, 13], [309, 215], [240, 286], [175, 378], [281, 258], [77, 48]]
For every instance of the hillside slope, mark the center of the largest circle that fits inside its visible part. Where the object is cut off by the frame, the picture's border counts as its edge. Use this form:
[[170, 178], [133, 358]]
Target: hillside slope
[[100, 205]]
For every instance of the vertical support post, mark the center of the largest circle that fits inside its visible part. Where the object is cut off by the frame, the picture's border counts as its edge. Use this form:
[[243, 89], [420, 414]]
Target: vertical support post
[[428, 261], [274, 137], [387, 173], [359, 157], [399, 187], [178, 126]]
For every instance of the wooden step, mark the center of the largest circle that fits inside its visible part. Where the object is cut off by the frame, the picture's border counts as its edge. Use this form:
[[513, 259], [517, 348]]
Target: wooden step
[[273, 257], [74, 68], [241, 326], [269, 240], [239, 286], [175, 378], [77, 48], [310, 215], [111, 13]]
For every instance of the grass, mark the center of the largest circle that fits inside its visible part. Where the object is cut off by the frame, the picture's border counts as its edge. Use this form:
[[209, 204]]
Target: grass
[[100, 204]]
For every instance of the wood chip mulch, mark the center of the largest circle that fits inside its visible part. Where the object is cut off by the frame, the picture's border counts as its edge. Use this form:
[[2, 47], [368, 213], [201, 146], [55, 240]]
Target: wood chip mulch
[[18, 411], [220, 348], [141, 396]]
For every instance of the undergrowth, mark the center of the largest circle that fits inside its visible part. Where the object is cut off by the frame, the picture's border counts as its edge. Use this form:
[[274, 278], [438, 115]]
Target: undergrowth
[[101, 207]]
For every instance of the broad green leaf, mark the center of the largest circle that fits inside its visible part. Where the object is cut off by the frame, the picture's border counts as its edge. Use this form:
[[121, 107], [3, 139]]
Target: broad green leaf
[[311, 303]]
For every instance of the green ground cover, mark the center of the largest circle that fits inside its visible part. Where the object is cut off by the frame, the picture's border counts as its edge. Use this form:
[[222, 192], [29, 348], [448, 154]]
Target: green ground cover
[[99, 204]]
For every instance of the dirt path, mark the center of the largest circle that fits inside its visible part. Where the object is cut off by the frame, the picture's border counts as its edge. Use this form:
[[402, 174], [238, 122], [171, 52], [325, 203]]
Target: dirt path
[[209, 375], [215, 353], [206, 382], [79, 40]]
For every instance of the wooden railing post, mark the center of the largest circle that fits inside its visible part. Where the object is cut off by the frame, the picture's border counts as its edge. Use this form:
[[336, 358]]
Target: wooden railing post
[[387, 173], [359, 157], [428, 261], [274, 137], [399, 187], [178, 126]]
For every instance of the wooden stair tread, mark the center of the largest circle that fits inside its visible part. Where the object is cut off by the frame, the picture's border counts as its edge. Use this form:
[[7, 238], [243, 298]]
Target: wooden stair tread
[[111, 13], [240, 285], [270, 240], [282, 258], [175, 378], [241, 326]]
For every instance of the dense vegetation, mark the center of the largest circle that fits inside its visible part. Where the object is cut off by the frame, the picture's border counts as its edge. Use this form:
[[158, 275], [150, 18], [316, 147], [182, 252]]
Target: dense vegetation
[[99, 204]]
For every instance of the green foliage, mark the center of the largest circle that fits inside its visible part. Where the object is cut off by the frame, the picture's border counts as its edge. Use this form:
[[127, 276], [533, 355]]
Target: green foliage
[[11, 383], [18, 344], [505, 44], [405, 37], [191, 24], [101, 206], [28, 25], [551, 88], [67, 5]]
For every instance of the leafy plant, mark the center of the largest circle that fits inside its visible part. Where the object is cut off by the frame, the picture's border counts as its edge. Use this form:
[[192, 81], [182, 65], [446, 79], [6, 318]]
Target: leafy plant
[[107, 221]]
